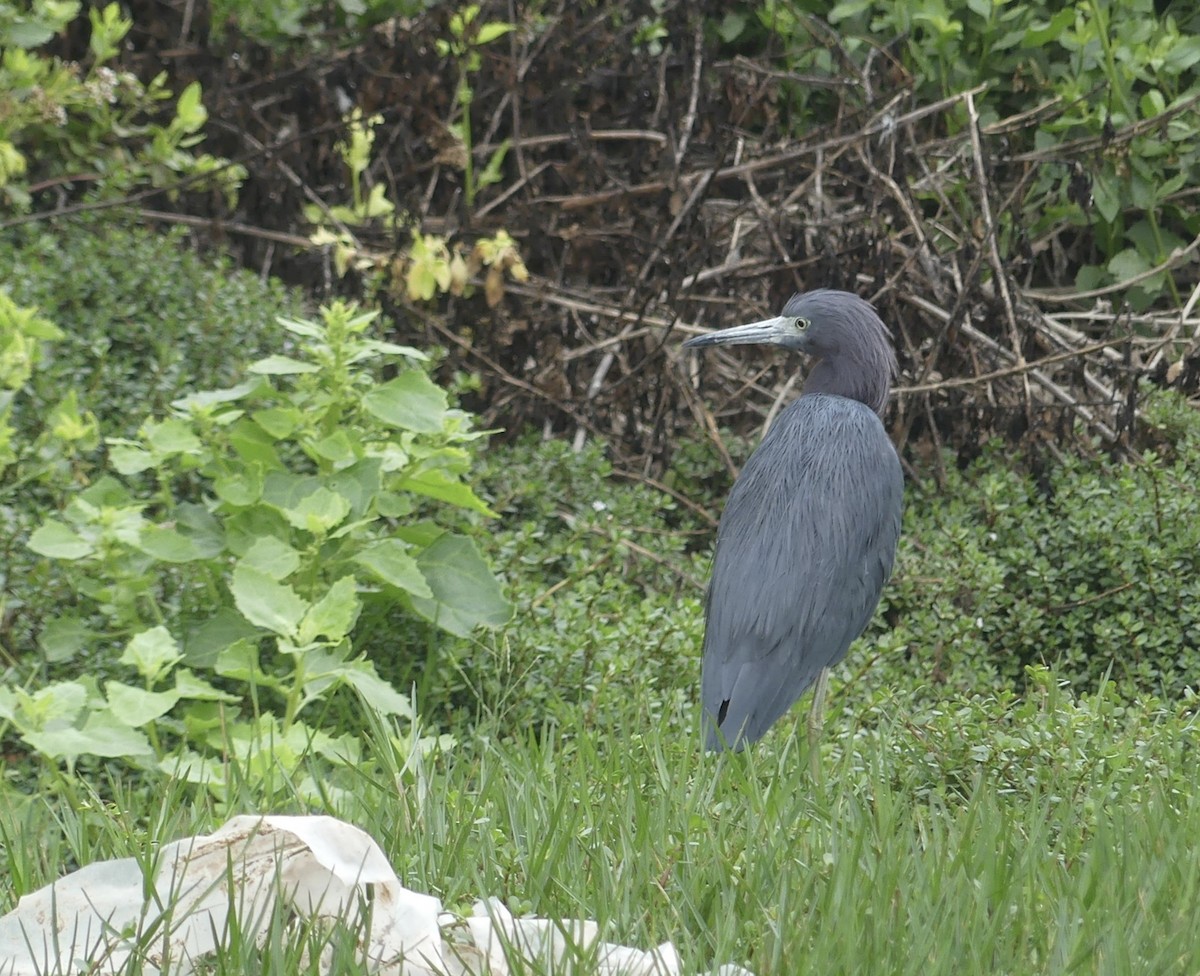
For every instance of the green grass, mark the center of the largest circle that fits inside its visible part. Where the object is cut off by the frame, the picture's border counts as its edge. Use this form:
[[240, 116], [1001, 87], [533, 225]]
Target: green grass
[[926, 849]]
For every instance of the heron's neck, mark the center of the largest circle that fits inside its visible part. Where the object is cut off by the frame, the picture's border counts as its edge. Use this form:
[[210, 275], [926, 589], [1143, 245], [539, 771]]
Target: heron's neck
[[853, 380]]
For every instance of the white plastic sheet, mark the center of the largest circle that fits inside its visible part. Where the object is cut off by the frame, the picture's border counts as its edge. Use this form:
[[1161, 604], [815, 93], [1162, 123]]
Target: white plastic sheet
[[314, 868]]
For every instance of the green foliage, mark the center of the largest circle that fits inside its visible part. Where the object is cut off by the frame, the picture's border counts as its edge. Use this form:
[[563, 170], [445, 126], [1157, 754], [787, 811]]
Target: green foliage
[[58, 121], [315, 481], [1119, 74], [432, 266], [287, 23], [607, 598], [143, 317], [1096, 572], [467, 36]]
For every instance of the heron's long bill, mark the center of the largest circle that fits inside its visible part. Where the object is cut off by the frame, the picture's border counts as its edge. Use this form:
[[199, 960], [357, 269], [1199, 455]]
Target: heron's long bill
[[770, 331]]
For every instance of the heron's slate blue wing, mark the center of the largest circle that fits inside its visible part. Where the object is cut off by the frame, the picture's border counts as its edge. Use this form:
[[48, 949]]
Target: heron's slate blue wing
[[806, 542]]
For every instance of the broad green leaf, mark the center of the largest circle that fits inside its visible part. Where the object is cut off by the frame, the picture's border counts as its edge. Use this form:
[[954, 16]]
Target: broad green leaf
[[265, 602], [465, 593], [135, 707], [281, 366], [412, 401], [318, 512], [225, 627], [334, 615], [188, 685], [242, 487], [61, 701], [63, 637], [240, 662], [279, 422], [168, 546], [358, 484], [1127, 264], [302, 327], [338, 446], [391, 562], [254, 445], [489, 32], [57, 541], [327, 668], [211, 398], [437, 484], [272, 556], [102, 735], [171, 436], [127, 459], [195, 522], [153, 653]]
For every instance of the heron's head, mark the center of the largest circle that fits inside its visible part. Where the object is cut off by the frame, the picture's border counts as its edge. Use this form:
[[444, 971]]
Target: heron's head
[[838, 328]]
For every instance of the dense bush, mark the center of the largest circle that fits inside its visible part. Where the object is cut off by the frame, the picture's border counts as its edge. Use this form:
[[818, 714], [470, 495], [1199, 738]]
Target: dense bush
[[1093, 571], [144, 317], [66, 125], [1112, 150]]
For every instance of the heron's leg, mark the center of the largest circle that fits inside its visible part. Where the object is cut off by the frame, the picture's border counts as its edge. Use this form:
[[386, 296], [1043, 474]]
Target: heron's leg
[[816, 722]]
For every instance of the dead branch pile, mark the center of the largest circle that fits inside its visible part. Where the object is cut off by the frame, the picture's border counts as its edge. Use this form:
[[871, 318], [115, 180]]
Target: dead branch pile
[[655, 194]]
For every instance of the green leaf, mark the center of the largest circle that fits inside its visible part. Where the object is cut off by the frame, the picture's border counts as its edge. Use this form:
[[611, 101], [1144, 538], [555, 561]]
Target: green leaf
[[358, 484], [363, 677], [279, 422], [731, 26], [391, 562], [240, 488], [337, 447], [153, 652], [465, 593], [187, 685], [334, 615], [171, 436], [102, 736], [196, 523], [1127, 264], [211, 398], [127, 459], [1106, 195], [273, 557], [318, 512], [225, 627], [135, 707], [1042, 32], [435, 483], [168, 546], [57, 541], [412, 401], [64, 637], [240, 662], [281, 366], [489, 32], [266, 603]]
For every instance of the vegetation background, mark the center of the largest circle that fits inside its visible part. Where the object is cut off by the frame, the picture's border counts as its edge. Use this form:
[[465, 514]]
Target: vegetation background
[[348, 462]]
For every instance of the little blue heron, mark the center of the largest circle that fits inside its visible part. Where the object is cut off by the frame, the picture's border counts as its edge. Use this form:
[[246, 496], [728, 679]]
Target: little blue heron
[[809, 533]]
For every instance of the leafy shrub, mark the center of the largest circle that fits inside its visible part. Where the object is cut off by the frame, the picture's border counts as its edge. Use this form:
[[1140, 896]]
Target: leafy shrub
[[607, 595], [1124, 79], [1097, 573], [309, 478], [143, 317], [58, 121], [140, 318]]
